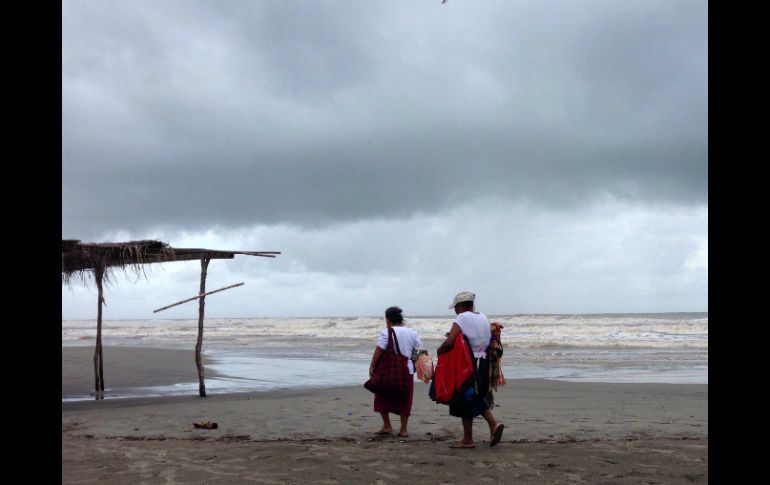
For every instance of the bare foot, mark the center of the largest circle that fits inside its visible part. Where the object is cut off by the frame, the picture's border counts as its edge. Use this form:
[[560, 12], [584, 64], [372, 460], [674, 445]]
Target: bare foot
[[385, 431], [463, 444], [403, 434]]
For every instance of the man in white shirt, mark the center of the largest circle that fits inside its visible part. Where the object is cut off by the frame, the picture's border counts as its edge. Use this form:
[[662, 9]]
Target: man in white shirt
[[476, 329]]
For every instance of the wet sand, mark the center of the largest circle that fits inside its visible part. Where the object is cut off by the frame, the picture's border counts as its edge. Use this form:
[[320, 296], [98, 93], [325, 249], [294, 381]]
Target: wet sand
[[556, 432]]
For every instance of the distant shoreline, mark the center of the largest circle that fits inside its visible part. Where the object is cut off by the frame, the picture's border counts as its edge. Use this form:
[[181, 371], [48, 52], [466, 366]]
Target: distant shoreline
[[128, 367], [407, 317]]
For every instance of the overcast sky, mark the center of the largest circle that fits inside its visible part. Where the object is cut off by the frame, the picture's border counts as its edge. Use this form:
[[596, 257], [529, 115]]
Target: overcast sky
[[551, 156]]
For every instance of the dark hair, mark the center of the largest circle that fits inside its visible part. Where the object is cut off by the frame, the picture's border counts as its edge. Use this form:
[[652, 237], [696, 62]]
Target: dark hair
[[466, 305], [393, 314]]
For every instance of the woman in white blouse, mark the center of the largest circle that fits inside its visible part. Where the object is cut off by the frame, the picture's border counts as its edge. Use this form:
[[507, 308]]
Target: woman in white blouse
[[408, 341]]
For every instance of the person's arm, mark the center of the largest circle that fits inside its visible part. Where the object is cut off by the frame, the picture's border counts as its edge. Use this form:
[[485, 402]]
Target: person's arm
[[450, 340], [377, 353], [417, 344]]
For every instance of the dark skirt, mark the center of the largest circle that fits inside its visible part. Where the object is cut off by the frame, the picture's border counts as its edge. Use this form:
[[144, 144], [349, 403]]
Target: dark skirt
[[401, 405], [480, 402]]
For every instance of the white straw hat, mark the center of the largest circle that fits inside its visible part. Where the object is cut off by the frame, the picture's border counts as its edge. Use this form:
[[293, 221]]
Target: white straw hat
[[463, 296]]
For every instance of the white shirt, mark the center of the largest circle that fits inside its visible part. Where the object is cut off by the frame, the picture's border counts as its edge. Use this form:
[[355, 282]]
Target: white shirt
[[407, 340], [475, 327]]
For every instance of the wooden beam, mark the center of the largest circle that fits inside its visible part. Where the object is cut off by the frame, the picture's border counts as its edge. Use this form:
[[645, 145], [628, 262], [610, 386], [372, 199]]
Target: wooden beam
[[199, 296], [162, 258]]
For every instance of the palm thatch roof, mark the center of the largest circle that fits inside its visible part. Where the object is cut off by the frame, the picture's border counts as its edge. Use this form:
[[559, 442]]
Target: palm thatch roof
[[79, 259]]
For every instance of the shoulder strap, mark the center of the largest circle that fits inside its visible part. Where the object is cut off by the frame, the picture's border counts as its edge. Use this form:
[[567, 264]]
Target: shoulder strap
[[393, 334]]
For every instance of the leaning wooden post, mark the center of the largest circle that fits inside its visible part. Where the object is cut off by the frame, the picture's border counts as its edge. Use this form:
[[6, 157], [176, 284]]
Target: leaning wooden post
[[98, 360], [196, 297], [199, 344]]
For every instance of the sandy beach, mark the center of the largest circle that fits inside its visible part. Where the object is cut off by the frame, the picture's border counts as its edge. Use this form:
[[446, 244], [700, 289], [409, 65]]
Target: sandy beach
[[556, 432], [127, 367]]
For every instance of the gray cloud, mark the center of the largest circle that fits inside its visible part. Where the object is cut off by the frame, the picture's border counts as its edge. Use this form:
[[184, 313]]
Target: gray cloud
[[188, 114], [611, 257], [551, 156]]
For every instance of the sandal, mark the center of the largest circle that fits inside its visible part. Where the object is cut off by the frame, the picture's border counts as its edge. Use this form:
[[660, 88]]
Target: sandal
[[495, 438]]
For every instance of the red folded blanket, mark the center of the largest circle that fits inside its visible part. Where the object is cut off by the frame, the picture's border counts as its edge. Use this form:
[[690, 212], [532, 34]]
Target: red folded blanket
[[453, 368]]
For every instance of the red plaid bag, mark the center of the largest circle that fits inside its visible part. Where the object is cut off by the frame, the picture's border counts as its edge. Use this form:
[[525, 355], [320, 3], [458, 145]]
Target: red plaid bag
[[391, 372]]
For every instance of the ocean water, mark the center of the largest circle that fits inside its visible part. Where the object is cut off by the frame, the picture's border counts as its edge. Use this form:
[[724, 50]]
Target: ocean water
[[284, 353]]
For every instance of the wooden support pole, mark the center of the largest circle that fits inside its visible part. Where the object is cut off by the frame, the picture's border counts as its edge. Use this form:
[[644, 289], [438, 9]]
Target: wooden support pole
[[98, 357], [198, 296], [199, 344]]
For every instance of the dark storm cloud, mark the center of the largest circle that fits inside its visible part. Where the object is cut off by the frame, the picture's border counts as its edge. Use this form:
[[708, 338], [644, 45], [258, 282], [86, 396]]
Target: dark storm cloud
[[234, 113]]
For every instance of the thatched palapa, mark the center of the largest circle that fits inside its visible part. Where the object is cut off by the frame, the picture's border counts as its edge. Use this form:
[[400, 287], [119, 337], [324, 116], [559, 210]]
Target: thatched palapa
[[103, 259]]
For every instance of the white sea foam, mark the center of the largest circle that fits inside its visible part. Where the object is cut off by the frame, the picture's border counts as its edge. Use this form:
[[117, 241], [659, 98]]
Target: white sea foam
[[678, 330], [323, 351]]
